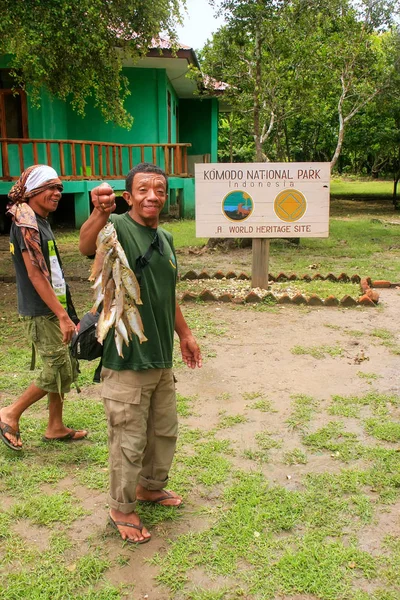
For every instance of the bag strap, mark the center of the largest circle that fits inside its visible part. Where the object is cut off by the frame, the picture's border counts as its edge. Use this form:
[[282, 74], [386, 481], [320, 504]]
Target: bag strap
[[96, 375], [143, 260]]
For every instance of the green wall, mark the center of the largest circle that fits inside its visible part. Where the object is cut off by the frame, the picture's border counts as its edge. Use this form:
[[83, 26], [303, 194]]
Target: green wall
[[50, 120], [146, 103], [198, 122]]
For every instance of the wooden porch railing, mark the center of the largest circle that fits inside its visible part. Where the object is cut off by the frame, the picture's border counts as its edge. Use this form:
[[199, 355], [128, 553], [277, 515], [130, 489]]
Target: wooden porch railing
[[76, 159]]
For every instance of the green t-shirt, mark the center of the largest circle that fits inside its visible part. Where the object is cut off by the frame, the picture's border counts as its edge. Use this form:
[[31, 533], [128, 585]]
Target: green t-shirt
[[157, 290]]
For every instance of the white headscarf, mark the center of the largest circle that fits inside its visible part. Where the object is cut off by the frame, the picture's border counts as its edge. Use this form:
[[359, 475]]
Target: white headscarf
[[39, 176]]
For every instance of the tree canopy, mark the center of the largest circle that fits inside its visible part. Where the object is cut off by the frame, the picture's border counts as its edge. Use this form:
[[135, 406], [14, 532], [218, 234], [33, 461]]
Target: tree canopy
[[300, 70], [75, 48]]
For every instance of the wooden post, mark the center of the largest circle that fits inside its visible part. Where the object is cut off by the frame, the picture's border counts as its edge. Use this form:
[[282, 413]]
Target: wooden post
[[259, 270]]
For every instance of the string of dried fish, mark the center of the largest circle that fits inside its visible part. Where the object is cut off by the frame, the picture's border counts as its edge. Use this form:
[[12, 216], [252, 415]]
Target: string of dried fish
[[115, 285]]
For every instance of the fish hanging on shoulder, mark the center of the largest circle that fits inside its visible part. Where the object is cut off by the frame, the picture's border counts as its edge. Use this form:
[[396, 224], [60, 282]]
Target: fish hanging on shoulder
[[116, 286]]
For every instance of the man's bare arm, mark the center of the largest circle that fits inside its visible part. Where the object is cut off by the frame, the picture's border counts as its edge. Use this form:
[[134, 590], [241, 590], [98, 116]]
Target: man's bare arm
[[190, 350], [103, 200]]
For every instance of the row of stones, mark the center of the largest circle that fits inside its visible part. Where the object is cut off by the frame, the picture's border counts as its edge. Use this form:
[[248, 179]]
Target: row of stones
[[369, 296], [297, 299], [342, 278]]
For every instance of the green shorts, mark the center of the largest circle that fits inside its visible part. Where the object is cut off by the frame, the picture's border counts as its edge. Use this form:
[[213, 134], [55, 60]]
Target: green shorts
[[60, 369]]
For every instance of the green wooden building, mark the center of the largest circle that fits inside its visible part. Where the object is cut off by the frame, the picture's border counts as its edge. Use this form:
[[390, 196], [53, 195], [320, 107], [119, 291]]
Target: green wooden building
[[173, 127]]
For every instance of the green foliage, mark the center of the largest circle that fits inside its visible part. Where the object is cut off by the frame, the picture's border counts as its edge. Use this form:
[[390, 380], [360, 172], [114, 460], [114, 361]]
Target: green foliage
[[289, 87], [76, 49]]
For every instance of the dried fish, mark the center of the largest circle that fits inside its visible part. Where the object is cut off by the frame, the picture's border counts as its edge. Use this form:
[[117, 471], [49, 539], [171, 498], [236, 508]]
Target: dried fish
[[99, 297], [122, 330], [115, 285], [118, 342], [106, 272], [116, 271], [109, 296], [131, 284], [104, 324], [135, 322]]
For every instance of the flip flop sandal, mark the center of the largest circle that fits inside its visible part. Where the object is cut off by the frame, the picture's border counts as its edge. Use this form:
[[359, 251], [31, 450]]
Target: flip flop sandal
[[139, 527], [4, 428], [68, 437]]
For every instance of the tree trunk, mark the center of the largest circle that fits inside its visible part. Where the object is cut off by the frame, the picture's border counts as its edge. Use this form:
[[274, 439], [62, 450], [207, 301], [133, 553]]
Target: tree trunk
[[395, 201], [230, 138], [341, 128], [287, 143], [396, 177], [256, 99]]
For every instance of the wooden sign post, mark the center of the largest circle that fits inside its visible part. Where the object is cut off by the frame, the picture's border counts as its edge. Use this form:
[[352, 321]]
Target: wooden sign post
[[260, 263], [262, 201]]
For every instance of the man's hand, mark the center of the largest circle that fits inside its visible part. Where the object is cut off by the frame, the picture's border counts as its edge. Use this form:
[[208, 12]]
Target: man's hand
[[191, 354], [67, 327], [103, 198]]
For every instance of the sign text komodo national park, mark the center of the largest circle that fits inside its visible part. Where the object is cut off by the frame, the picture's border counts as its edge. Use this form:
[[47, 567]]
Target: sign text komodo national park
[[262, 200]]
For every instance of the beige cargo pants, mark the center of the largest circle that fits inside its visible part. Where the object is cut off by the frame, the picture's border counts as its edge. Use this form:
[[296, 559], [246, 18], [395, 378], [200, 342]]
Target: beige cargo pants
[[142, 423]]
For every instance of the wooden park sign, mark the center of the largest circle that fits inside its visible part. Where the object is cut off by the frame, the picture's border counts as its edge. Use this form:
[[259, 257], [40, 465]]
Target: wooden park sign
[[262, 201]]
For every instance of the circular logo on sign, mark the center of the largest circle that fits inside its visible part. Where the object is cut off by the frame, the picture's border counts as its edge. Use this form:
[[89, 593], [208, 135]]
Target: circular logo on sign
[[237, 205], [290, 205]]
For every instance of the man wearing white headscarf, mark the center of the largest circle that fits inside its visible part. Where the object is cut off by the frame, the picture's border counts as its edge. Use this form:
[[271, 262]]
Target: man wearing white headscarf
[[44, 303]]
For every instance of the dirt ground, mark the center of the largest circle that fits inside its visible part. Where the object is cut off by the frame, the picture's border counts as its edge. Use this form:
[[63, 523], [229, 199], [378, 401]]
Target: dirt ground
[[254, 354]]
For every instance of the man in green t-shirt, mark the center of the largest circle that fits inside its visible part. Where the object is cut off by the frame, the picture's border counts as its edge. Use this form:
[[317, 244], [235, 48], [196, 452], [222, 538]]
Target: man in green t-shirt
[[138, 389]]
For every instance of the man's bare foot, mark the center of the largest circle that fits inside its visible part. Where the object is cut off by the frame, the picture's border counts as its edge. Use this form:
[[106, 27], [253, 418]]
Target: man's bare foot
[[129, 526], [162, 497], [10, 433], [64, 434]]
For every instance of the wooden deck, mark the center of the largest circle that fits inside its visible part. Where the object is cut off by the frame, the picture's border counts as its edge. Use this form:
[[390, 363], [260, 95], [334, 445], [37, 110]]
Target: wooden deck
[[75, 160]]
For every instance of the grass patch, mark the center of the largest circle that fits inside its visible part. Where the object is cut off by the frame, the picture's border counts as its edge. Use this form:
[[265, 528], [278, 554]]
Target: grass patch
[[349, 406], [184, 405], [383, 334], [388, 431], [368, 376], [333, 437], [184, 233], [203, 329], [223, 397], [265, 442], [317, 351], [388, 339], [356, 188], [227, 421], [295, 457], [49, 576], [303, 409], [356, 333], [200, 460], [46, 509], [263, 405]]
